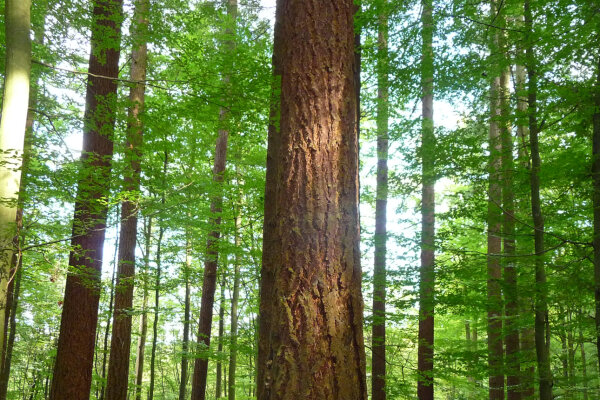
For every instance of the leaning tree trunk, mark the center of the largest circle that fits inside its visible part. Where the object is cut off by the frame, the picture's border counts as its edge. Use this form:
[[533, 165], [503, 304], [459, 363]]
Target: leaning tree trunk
[[542, 345], [379, 275], [310, 336], [12, 133], [75, 354], [120, 345], [212, 252], [427, 273]]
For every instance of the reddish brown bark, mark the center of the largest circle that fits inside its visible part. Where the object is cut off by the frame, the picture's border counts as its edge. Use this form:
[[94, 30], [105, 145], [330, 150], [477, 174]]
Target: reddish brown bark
[[120, 346], [310, 331], [209, 283], [75, 353], [427, 272]]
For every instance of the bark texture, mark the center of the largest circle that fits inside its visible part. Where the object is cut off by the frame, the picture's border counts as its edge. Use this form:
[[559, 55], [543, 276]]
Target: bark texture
[[311, 343], [542, 344], [209, 283], [75, 353], [427, 272], [120, 345], [17, 17]]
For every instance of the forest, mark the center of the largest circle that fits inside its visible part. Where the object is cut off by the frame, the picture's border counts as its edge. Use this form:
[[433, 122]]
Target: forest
[[300, 199]]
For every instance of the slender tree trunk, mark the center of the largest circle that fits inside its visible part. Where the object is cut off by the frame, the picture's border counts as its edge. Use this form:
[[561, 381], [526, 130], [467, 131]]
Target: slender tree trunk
[[234, 307], [583, 360], [221, 335], [495, 214], [108, 320], [427, 274], [17, 25], [596, 202], [212, 252], [141, 347], [185, 346], [310, 336], [571, 353], [13, 326], [120, 346], [75, 353], [379, 275], [541, 291]]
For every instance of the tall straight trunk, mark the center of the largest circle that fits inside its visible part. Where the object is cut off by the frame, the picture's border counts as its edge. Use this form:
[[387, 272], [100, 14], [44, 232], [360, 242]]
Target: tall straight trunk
[[108, 321], [212, 252], [4, 377], [427, 273], [513, 365], [235, 296], [17, 18], [75, 352], [185, 345], [161, 232], [141, 347], [527, 345], [571, 352], [494, 234], [379, 275], [581, 344], [120, 346], [310, 336], [219, 377], [596, 202], [542, 345]]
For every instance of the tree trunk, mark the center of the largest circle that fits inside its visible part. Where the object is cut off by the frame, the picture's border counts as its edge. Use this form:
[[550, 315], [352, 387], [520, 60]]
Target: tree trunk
[[310, 337], [185, 346], [221, 335], [12, 135], [120, 346], [571, 353], [75, 353], [541, 291], [234, 307], [494, 220], [212, 252], [108, 321], [596, 202], [380, 240], [583, 359], [427, 273], [141, 347]]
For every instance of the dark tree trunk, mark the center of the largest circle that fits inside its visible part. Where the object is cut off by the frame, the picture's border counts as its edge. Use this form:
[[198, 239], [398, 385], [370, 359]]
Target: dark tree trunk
[[185, 346], [234, 308], [212, 252], [75, 354], [379, 275], [310, 336], [427, 273], [120, 346], [219, 384], [542, 345]]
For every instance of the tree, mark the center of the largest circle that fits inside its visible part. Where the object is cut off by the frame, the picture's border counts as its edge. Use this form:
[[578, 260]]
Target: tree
[[120, 346], [12, 134], [427, 273], [75, 352], [310, 328]]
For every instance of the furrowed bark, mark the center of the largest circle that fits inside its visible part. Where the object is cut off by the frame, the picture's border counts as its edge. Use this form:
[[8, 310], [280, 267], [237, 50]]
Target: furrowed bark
[[75, 353], [311, 343]]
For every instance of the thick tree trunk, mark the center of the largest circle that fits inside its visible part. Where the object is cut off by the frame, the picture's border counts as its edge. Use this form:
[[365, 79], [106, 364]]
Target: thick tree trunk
[[427, 273], [234, 308], [542, 345], [75, 353], [12, 134], [212, 252], [380, 240], [185, 346], [310, 337], [120, 346], [141, 347]]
